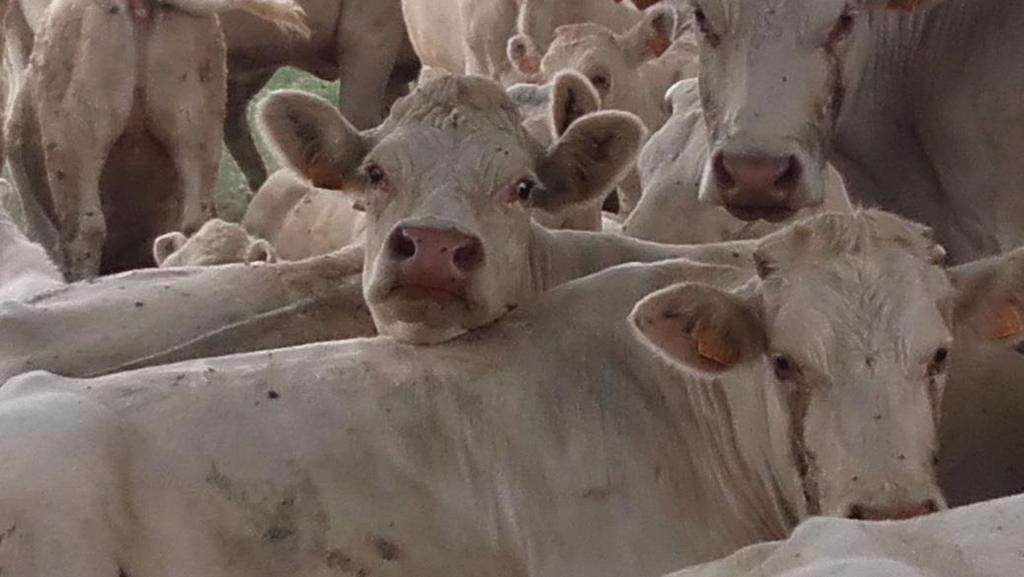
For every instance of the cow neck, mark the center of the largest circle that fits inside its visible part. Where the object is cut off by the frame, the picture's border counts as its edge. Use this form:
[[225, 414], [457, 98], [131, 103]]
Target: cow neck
[[560, 256], [731, 473]]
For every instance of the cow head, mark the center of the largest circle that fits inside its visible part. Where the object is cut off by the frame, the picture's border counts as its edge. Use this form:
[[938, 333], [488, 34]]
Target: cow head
[[775, 75], [446, 182], [849, 330], [611, 62], [216, 242]]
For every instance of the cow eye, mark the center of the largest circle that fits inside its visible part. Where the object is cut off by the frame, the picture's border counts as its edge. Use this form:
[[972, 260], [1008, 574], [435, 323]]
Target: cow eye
[[524, 188], [375, 175], [937, 365], [601, 82], [785, 367]]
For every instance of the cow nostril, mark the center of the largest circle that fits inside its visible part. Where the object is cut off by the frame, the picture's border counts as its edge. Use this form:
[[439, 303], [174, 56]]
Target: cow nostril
[[401, 245], [791, 176], [722, 173], [468, 256]]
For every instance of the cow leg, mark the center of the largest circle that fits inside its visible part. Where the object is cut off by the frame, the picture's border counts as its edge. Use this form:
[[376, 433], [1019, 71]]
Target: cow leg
[[83, 85], [237, 133], [185, 77], [370, 36]]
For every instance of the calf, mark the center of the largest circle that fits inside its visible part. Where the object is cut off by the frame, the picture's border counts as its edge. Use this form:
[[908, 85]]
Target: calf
[[217, 242], [810, 387], [119, 98]]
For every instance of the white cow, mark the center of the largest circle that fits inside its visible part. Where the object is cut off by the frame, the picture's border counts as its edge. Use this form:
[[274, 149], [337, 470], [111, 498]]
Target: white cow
[[216, 242], [300, 220], [912, 100], [115, 130], [446, 182], [979, 541], [541, 447], [470, 36], [671, 167], [25, 268]]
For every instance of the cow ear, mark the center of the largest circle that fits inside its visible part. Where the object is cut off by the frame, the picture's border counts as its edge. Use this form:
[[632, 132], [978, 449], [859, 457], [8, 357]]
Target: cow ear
[[522, 52], [653, 35], [167, 244], [593, 155], [309, 135], [572, 97], [699, 328], [260, 251], [990, 296]]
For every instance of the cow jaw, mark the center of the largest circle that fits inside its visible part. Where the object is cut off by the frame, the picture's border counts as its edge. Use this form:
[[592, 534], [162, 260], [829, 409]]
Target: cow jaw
[[774, 76]]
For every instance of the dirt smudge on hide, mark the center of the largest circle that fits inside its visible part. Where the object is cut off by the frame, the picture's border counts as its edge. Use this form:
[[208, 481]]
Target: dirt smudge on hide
[[269, 527], [387, 550]]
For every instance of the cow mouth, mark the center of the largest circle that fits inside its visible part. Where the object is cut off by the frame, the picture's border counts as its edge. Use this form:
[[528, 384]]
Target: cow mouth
[[769, 214], [426, 293]]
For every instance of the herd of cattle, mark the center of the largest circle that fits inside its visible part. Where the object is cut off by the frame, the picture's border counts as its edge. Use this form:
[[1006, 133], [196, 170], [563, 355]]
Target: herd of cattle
[[563, 288]]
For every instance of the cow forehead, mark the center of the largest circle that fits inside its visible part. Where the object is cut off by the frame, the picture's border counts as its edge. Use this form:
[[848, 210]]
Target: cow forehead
[[884, 303], [463, 157]]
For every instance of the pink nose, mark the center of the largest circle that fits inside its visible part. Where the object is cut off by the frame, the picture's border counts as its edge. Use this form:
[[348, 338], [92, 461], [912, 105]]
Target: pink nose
[[434, 259], [893, 512], [757, 182]]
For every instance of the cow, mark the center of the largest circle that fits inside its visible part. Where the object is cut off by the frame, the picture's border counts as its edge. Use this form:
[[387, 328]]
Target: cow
[[981, 541], [115, 131], [299, 220], [671, 166], [216, 242], [621, 443], [912, 100], [471, 36], [226, 309], [446, 182], [25, 268], [361, 43], [630, 70]]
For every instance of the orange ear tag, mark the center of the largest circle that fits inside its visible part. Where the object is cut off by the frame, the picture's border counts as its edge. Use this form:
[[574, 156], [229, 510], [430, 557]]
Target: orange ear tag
[[1005, 322], [712, 347]]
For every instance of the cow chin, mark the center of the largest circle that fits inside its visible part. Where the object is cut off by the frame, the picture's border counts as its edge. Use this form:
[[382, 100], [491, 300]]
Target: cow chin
[[425, 318]]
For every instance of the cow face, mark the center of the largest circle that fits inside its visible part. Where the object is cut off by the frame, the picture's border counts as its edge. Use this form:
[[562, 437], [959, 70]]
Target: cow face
[[774, 78], [611, 62], [446, 182], [848, 332]]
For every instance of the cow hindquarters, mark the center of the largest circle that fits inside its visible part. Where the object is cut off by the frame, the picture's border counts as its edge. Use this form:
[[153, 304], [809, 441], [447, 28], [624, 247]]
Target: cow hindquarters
[[185, 76]]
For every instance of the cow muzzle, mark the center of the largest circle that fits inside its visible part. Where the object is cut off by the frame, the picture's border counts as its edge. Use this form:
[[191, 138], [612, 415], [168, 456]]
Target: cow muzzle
[[433, 264]]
